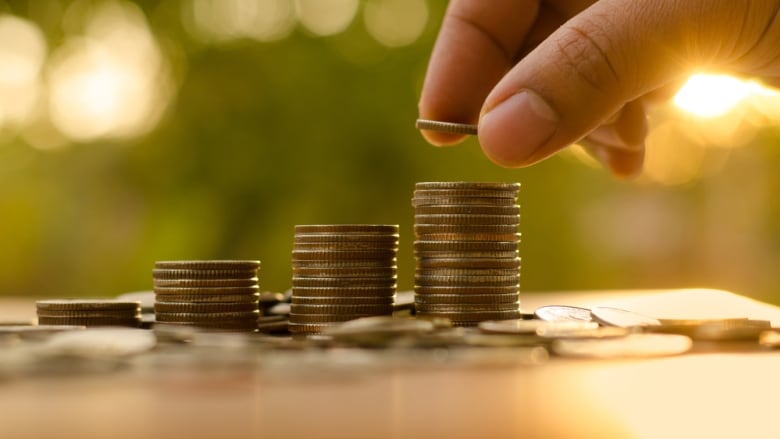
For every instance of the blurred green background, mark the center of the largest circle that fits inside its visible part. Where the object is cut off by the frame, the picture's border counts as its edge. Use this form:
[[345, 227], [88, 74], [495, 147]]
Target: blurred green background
[[132, 132]]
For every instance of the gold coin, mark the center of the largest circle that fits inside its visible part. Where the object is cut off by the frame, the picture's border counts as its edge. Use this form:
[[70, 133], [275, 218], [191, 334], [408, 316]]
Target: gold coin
[[446, 127]]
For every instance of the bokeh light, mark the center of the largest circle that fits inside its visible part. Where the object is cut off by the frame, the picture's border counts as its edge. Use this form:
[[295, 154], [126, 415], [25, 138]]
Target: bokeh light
[[22, 54], [228, 20], [396, 23], [326, 17], [110, 82]]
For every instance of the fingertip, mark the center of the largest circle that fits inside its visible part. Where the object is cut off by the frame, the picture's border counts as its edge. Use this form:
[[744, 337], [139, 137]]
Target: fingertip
[[438, 138], [622, 163], [513, 132]]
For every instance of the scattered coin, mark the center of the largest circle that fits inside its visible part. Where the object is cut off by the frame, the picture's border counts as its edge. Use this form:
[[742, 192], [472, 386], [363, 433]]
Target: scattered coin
[[714, 329], [558, 313], [535, 327], [630, 346], [446, 127], [620, 317]]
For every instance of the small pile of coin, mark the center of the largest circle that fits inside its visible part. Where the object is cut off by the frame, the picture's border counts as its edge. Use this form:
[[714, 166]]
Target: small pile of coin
[[217, 295], [89, 312], [341, 272], [467, 265]]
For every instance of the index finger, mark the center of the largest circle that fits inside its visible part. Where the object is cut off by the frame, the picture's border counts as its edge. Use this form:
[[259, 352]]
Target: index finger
[[476, 46]]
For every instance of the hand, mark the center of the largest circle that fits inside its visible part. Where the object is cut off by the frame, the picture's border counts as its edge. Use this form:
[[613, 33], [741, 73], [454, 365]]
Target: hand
[[586, 69]]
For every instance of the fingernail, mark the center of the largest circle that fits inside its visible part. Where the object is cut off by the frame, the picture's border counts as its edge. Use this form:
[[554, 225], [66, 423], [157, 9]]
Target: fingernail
[[512, 132]]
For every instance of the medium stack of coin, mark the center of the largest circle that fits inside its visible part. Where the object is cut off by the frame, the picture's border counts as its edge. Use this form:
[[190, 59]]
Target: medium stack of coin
[[467, 268], [341, 272], [89, 312], [212, 295]]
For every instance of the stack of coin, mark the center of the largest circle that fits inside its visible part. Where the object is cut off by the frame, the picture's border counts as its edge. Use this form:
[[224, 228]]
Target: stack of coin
[[467, 264], [89, 312], [213, 295], [342, 272]]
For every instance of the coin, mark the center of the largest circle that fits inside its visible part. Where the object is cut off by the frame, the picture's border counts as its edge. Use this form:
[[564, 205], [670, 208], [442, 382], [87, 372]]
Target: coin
[[466, 298], [558, 313], [630, 346], [385, 229], [446, 127], [343, 291], [464, 246], [173, 273], [490, 229], [212, 317], [435, 271], [83, 321], [345, 246], [249, 290], [345, 263], [369, 300], [433, 280], [464, 201], [465, 193], [467, 209], [620, 317], [177, 307], [205, 283], [272, 324], [467, 263], [537, 327], [714, 329], [389, 281], [341, 309], [209, 298], [348, 272], [467, 254], [384, 255], [466, 219], [465, 290], [475, 316], [91, 314], [209, 265], [487, 185], [468, 307], [345, 237], [87, 304], [325, 318], [221, 325], [310, 328], [769, 338]]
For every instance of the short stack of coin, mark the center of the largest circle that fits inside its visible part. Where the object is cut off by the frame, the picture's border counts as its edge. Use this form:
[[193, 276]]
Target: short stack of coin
[[467, 265], [220, 295], [89, 312], [341, 272]]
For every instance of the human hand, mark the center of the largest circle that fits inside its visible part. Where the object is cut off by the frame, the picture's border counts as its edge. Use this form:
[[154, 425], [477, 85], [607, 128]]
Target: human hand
[[586, 78]]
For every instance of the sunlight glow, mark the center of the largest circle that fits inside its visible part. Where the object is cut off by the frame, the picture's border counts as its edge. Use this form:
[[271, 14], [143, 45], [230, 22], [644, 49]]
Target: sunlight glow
[[709, 96]]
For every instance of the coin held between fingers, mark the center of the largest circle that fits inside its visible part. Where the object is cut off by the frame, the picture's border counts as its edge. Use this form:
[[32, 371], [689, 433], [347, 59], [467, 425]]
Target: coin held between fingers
[[446, 127]]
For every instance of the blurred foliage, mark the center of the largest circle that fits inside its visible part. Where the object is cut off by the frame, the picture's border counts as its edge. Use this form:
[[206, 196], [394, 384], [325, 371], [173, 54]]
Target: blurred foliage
[[308, 130]]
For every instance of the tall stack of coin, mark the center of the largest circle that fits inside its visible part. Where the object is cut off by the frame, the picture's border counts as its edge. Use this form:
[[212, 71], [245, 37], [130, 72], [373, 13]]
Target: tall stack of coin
[[467, 264], [214, 295], [89, 312], [342, 272]]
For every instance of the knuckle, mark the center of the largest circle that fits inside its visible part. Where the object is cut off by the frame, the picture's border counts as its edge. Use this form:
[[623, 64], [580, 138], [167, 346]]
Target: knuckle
[[588, 55]]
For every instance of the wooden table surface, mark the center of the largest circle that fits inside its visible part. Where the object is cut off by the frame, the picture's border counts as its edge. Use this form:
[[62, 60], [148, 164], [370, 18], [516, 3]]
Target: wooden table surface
[[707, 395]]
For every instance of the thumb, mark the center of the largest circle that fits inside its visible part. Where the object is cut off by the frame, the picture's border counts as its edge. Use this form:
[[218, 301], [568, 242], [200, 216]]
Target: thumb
[[584, 72]]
